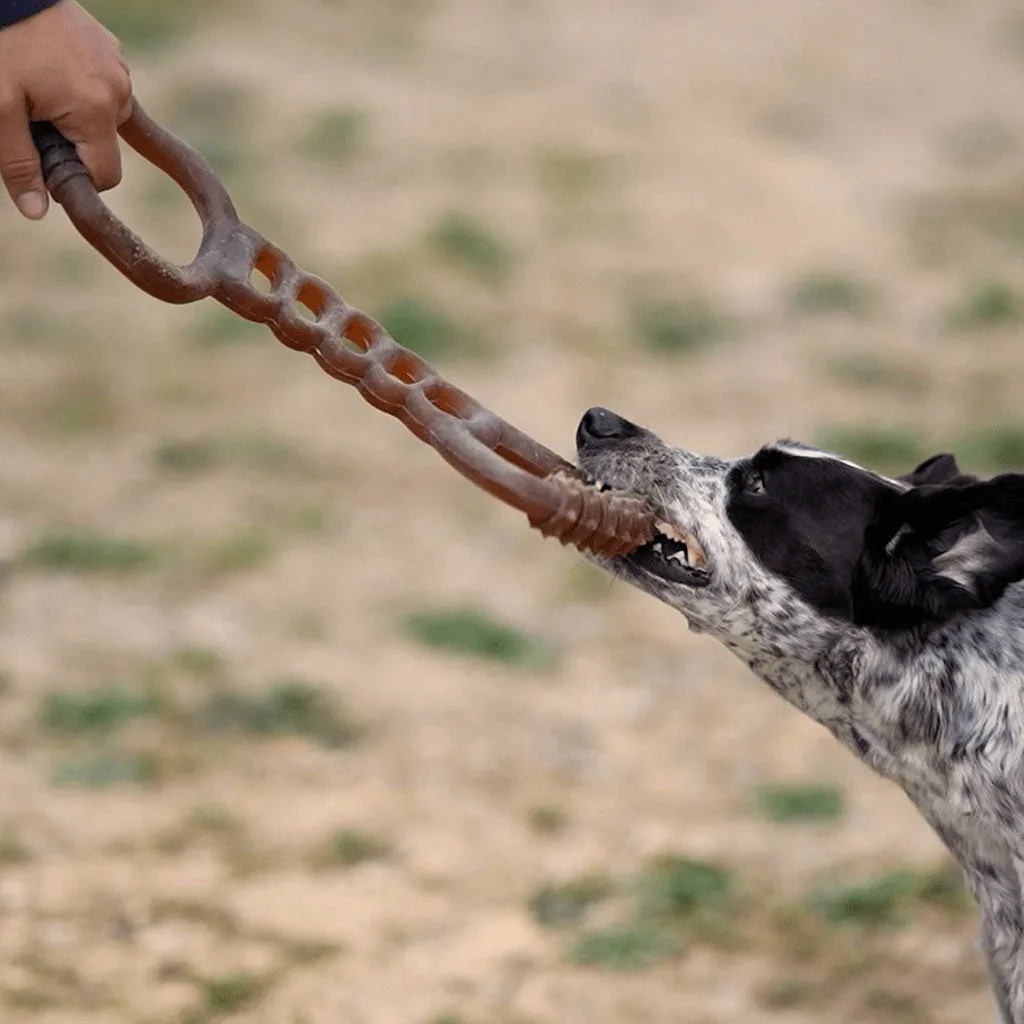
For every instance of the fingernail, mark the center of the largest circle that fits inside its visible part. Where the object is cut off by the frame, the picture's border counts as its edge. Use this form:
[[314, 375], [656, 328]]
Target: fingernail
[[31, 204]]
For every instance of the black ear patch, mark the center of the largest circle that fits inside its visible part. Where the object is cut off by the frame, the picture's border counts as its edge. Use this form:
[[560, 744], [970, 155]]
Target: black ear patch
[[940, 548], [939, 469]]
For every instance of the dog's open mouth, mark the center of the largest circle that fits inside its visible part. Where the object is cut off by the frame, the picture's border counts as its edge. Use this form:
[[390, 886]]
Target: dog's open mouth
[[673, 555]]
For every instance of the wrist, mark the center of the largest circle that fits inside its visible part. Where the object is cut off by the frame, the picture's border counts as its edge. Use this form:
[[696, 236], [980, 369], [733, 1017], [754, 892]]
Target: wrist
[[12, 11]]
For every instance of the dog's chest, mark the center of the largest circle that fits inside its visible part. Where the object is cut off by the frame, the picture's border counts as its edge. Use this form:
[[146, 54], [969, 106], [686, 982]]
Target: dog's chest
[[949, 731]]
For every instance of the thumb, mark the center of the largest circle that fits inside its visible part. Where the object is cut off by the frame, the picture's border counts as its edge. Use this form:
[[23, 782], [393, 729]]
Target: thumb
[[19, 161]]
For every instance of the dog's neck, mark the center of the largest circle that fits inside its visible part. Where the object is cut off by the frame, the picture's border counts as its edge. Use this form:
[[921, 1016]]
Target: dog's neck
[[785, 644]]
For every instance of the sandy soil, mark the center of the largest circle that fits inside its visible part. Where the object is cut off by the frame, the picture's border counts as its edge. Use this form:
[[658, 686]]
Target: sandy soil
[[166, 871]]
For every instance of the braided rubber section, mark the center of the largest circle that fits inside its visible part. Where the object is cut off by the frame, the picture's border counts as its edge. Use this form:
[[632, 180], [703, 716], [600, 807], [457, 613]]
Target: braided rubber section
[[307, 315]]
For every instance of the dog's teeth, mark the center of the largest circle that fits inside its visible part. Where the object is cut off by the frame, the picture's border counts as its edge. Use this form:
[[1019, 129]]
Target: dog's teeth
[[695, 556], [692, 554], [671, 532], [682, 556]]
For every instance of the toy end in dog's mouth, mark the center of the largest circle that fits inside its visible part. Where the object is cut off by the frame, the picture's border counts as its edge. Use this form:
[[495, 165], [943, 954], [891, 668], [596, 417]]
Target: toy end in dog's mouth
[[673, 555]]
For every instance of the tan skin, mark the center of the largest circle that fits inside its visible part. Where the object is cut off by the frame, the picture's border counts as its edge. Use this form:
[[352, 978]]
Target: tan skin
[[60, 65]]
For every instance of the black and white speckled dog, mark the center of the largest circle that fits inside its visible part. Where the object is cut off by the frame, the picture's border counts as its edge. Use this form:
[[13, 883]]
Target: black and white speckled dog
[[883, 608]]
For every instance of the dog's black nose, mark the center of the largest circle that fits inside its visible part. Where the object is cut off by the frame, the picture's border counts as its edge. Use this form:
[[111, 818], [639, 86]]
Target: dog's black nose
[[601, 425]]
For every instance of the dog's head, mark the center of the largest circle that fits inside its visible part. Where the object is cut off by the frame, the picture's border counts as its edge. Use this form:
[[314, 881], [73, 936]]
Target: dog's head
[[803, 527]]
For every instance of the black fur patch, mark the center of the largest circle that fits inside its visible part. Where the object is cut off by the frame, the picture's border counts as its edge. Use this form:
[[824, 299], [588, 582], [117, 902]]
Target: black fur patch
[[859, 548], [805, 520]]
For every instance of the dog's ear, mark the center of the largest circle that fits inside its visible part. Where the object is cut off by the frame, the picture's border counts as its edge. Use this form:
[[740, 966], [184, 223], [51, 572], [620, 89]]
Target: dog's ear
[[939, 469], [938, 549]]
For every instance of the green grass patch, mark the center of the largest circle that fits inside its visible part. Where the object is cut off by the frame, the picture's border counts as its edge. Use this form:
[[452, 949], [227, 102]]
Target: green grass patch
[[831, 293], [33, 1000], [104, 769], [624, 947], [679, 889], [674, 900], [334, 136], [349, 847], [84, 551], [880, 901], [473, 633], [198, 662], [891, 900], [286, 708], [305, 952], [186, 458], [420, 324], [101, 710], [228, 993], [986, 305], [883, 1004], [944, 887], [789, 804], [214, 821], [886, 449], [465, 242], [995, 449], [557, 906], [309, 520], [12, 850], [677, 327], [786, 994], [547, 820]]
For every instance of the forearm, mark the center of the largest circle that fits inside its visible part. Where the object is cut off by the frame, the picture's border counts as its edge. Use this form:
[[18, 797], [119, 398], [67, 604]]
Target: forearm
[[17, 10]]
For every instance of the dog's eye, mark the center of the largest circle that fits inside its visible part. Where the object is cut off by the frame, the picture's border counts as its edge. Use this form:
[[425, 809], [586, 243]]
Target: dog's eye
[[754, 482]]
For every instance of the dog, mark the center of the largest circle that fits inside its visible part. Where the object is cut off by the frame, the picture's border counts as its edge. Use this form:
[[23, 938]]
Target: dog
[[885, 608]]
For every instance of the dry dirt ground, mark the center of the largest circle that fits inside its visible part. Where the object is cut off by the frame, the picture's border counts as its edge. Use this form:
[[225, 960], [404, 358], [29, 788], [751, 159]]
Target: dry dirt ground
[[297, 726]]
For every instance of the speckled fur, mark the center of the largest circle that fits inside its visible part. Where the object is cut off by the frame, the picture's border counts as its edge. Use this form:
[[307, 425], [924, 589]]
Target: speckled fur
[[939, 711]]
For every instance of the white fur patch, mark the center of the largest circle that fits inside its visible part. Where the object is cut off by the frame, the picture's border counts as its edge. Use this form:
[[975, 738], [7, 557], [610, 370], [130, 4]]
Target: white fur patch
[[968, 556], [817, 453]]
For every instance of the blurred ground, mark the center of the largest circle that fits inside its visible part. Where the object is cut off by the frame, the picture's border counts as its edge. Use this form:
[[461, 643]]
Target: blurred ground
[[298, 726]]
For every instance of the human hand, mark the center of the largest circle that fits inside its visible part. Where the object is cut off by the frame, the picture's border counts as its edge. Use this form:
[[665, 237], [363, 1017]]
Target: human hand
[[60, 65]]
